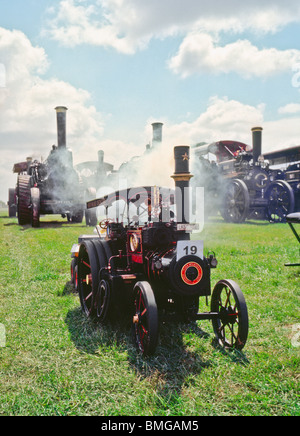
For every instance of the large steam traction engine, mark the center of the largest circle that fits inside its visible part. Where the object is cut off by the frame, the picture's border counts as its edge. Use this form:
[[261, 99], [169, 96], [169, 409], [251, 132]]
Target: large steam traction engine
[[256, 191], [246, 187], [50, 187], [154, 270]]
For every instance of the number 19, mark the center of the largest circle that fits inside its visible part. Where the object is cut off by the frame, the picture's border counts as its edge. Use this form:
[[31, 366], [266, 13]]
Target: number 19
[[190, 250]]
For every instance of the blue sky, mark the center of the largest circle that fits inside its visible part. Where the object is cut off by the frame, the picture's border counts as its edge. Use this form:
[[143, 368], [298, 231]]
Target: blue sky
[[207, 70]]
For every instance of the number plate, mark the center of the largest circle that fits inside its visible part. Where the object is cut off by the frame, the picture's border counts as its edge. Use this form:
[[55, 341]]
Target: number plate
[[189, 228], [187, 248]]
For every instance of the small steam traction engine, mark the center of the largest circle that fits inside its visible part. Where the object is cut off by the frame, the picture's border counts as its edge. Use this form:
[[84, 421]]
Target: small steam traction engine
[[149, 268]]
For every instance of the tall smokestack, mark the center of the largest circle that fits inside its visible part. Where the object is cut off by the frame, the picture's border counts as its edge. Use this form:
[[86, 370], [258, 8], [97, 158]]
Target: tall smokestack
[[61, 113], [100, 158], [257, 143], [182, 178], [157, 133]]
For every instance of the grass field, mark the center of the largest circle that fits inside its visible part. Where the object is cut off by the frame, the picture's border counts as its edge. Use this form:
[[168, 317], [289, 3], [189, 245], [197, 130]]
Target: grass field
[[55, 362]]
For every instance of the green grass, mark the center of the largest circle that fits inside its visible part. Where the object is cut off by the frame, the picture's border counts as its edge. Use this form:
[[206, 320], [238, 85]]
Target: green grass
[[55, 362]]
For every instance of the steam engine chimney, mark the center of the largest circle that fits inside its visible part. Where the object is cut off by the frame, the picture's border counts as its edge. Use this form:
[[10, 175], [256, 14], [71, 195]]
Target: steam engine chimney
[[257, 143], [100, 158], [61, 113], [157, 133], [182, 178]]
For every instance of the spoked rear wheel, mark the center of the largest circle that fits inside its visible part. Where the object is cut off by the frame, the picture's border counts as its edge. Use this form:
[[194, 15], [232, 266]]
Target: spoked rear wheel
[[236, 202], [23, 189], [231, 327], [35, 207], [145, 320], [88, 268]]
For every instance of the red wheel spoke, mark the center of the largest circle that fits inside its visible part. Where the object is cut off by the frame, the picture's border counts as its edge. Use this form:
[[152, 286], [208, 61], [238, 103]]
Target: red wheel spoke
[[89, 296], [233, 336], [144, 330], [86, 264]]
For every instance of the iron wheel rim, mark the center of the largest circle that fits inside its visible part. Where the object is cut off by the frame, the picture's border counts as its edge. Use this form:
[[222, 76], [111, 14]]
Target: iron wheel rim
[[231, 327], [145, 319], [236, 202]]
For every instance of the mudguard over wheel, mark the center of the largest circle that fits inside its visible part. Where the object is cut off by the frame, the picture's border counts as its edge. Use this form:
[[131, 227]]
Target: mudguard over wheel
[[231, 327]]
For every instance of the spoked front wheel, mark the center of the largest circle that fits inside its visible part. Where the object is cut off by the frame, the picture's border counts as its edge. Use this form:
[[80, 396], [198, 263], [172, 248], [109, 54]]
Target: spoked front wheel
[[231, 325], [281, 201], [145, 319]]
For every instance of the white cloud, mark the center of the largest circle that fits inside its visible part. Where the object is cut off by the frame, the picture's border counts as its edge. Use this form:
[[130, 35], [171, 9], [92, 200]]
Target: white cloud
[[223, 119], [226, 119], [128, 25], [2, 76], [199, 53], [291, 108], [27, 102], [78, 22]]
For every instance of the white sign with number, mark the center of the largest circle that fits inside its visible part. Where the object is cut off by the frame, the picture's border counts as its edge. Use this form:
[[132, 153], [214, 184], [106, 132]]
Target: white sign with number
[[189, 248]]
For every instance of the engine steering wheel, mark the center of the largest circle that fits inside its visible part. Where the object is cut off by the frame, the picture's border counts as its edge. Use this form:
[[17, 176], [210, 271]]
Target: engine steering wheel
[[104, 223]]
